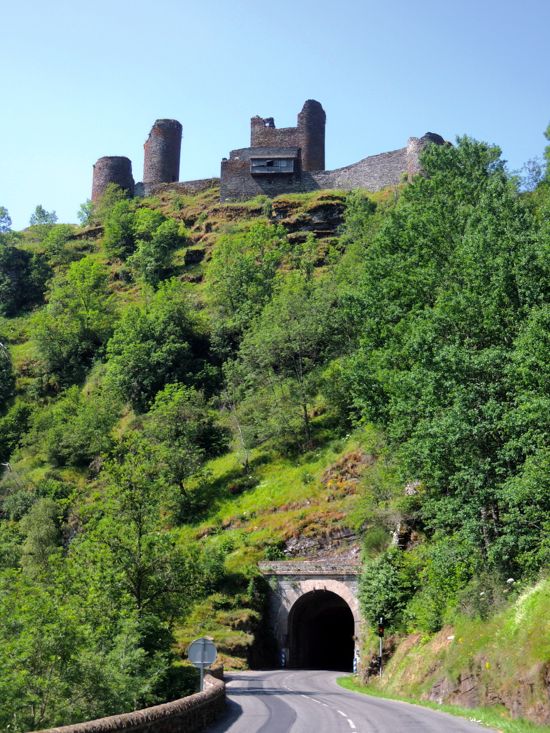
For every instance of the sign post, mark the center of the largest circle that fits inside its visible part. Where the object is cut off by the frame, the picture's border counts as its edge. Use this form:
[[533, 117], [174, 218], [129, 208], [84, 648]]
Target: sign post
[[202, 653], [381, 636]]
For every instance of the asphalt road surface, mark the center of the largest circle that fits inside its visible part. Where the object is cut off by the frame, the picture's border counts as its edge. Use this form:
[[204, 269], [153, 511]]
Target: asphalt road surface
[[294, 701]]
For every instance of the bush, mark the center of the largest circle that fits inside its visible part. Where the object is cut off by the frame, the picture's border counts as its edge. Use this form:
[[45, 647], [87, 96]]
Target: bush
[[386, 586], [75, 429]]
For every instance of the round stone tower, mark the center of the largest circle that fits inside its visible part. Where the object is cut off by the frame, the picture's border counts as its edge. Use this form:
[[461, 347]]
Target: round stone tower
[[112, 169], [162, 153], [311, 127]]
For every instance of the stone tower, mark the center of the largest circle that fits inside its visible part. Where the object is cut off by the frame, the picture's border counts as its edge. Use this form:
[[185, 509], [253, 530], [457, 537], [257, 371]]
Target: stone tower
[[112, 169], [308, 135], [162, 153], [311, 130]]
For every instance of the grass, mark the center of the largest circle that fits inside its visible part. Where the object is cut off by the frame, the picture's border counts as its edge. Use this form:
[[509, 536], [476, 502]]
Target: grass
[[495, 717]]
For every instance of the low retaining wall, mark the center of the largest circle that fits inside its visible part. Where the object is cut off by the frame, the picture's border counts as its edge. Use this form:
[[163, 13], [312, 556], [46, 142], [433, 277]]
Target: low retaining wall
[[187, 715]]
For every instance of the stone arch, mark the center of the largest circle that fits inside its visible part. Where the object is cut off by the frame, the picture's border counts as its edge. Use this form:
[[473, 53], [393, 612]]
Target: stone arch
[[321, 632], [292, 585]]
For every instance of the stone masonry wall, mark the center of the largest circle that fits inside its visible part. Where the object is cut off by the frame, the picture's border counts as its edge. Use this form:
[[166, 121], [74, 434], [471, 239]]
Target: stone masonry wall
[[183, 187], [187, 715], [372, 173]]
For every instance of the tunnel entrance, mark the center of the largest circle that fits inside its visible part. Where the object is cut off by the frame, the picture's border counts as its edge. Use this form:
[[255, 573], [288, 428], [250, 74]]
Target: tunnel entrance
[[321, 631]]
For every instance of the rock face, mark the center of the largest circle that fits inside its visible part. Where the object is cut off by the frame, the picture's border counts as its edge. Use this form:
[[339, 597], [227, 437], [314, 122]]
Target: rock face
[[454, 669], [473, 688]]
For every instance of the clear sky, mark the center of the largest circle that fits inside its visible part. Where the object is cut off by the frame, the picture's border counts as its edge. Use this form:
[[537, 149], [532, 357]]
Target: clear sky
[[83, 79]]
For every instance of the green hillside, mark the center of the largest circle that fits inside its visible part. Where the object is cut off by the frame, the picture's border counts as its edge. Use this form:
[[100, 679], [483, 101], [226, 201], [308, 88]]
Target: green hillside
[[189, 387]]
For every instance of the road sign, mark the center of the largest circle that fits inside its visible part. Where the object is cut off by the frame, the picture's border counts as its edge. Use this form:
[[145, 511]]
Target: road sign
[[202, 653]]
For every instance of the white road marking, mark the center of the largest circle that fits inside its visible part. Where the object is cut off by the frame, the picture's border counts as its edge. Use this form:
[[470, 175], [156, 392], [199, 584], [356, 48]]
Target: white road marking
[[351, 724], [341, 713]]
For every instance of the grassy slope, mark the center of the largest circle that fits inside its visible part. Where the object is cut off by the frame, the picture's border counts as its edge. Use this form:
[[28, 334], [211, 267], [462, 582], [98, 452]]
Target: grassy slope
[[503, 661], [495, 717], [286, 497]]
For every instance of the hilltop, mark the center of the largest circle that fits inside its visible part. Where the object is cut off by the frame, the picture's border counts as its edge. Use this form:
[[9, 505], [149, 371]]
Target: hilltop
[[189, 387]]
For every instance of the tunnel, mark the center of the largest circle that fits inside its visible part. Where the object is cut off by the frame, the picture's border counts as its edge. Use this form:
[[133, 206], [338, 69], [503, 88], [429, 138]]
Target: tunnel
[[321, 631]]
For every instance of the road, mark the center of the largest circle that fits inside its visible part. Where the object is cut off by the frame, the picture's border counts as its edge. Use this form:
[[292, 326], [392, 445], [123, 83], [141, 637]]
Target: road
[[293, 701]]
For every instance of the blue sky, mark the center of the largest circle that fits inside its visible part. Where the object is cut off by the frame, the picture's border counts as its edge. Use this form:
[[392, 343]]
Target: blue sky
[[85, 79]]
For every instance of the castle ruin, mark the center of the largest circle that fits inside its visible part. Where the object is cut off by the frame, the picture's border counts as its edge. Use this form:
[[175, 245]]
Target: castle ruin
[[279, 160]]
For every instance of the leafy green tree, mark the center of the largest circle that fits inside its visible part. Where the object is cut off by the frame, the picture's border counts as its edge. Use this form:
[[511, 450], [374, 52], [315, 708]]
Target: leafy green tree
[[7, 377], [449, 279], [23, 276], [76, 428], [41, 530], [60, 662], [285, 349], [118, 229], [183, 430], [77, 322], [386, 586], [41, 217], [85, 213], [241, 276], [55, 243], [13, 426], [152, 260], [157, 344], [5, 220]]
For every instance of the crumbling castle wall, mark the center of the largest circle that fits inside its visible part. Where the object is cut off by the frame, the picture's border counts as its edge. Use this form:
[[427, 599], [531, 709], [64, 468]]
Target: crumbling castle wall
[[372, 173], [112, 169], [161, 163]]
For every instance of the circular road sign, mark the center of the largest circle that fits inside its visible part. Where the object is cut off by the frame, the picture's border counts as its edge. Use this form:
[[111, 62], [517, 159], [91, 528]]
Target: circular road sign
[[202, 652]]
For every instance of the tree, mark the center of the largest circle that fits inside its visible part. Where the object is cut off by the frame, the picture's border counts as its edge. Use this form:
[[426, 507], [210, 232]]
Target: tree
[[5, 220], [13, 426], [23, 276], [41, 530], [152, 259], [118, 227], [41, 217], [77, 322], [76, 428], [156, 344], [7, 377], [85, 213], [447, 283], [55, 243], [182, 430], [241, 275], [285, 348]]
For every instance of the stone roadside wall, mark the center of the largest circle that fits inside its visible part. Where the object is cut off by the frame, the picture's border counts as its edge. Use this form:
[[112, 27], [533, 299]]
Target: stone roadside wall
[[187, 715]]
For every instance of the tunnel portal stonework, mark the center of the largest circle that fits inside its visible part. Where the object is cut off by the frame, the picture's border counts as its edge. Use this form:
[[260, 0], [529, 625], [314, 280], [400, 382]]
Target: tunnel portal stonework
[[296, 584]]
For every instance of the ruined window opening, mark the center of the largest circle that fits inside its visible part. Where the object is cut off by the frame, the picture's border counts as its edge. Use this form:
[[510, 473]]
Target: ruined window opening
[[277, 166]]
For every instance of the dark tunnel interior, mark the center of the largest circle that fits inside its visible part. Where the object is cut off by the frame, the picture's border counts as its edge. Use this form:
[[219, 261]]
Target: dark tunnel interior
[[321, 632]]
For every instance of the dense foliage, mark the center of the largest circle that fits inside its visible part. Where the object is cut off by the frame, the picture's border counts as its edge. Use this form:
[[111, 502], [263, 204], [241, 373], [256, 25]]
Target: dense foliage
[[428, 318]]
